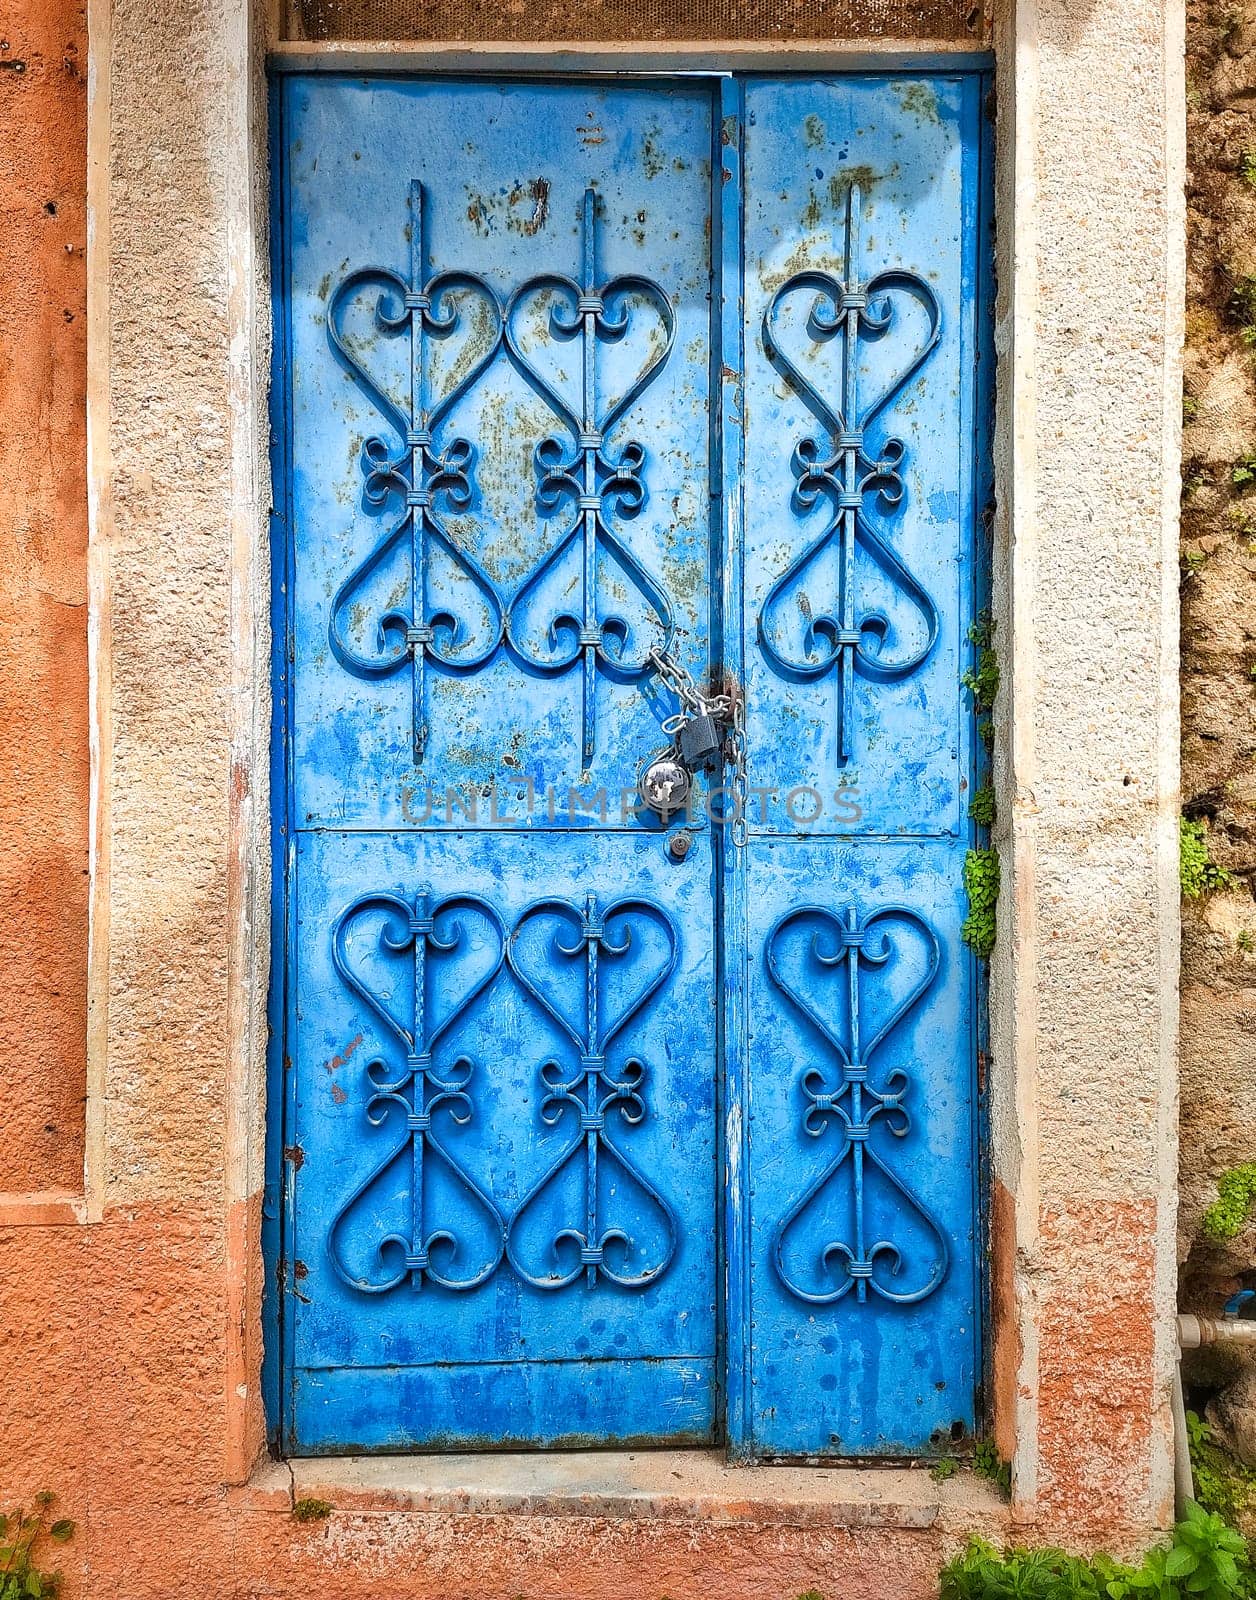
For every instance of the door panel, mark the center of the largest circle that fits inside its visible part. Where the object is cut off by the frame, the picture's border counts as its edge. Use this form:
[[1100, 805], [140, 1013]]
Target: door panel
[[855, 615], [587, 1139], [495, 178], [499, 309], [860, 337], [481, 1304], [863, 1291]]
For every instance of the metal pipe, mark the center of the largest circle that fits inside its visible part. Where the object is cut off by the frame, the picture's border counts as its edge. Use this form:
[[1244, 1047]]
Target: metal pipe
[[1193, 1332], [1196, 1331], [1183, 1476]]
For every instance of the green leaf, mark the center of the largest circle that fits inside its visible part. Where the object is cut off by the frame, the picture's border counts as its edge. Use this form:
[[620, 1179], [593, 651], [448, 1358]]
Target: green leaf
[[1227, 1568], [1180, 1562], [61, 1530]]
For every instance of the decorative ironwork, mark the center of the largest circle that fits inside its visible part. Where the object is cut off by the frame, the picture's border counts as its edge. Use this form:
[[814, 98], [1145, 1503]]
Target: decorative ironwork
[[417, 1095], [592, 1089], [847, 471], [591, 476], [854, 1105], [420, 471]]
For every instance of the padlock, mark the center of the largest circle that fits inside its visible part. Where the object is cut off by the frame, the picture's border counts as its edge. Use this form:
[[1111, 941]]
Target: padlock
[[700, 742], [664, 785]]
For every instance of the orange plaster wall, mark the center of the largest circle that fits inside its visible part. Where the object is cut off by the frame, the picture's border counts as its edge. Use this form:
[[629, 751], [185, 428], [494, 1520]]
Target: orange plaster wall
[[1096, 1363], [43, 610], [1005, 1337]]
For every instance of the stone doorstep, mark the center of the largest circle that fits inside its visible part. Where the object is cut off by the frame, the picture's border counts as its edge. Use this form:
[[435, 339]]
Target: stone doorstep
[[679, 1486]]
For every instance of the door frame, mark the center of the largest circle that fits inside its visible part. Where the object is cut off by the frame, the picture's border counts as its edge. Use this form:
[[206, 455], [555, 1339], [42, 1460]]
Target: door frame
[[735, 66]]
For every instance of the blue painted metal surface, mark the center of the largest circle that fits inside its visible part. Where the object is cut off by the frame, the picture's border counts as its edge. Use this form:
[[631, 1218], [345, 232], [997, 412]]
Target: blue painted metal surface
[[862, 255], [584, 1143]]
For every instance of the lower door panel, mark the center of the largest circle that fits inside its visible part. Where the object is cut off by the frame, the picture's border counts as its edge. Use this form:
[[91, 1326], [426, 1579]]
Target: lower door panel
[[504, 1143]]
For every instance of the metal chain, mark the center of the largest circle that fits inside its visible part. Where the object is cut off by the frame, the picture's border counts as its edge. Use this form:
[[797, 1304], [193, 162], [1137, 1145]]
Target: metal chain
[[679, 680], [726, 708]]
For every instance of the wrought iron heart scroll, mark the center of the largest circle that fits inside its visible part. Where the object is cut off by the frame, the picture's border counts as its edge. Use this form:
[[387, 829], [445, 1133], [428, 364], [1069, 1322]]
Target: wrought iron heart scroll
[[599, 484], [418, 474], [412, 1095], [844, 635], [842, 1095], [590, 1088]]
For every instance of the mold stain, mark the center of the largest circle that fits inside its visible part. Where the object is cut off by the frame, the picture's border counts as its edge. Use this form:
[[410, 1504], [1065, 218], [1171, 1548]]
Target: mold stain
[[841, 183], [920, 100], [653, 157], [534, 194], [477, 216], [589, 131]]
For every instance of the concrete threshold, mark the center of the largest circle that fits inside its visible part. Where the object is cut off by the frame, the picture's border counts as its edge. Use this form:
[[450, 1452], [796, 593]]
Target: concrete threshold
[[682, 1486]]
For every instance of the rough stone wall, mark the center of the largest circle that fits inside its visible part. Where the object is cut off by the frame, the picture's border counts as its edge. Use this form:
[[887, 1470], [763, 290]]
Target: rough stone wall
[[43, 612], [1218, 1029]]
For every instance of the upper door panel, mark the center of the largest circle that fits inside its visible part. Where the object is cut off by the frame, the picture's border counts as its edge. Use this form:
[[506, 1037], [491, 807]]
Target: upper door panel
[[499, 377], [860, 305]]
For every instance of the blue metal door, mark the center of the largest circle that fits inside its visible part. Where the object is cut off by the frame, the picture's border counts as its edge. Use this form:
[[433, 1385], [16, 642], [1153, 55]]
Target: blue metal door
[[600, 1126]]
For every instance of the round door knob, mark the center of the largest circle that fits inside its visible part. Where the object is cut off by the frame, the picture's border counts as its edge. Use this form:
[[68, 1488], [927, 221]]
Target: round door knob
[[664, 786]]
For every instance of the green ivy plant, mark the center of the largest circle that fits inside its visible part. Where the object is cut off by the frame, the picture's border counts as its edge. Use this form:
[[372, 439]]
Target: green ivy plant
[[1222, 1484], [981, 882], [1236, 1193], [311, 1510], [981, 808], [21, 1534], [1206, 1560], [988, 1463], [1199, 873], [1243, 472], [982, 680]]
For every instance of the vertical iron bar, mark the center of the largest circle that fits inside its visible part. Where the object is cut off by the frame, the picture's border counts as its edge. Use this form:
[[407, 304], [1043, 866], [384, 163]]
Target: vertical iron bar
[[588, 333], [856, 1098], [417, 499], [850, 476], [418, 1081], [591, 1077]]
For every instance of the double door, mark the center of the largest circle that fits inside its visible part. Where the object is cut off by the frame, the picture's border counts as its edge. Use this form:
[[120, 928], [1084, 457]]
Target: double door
[[599, 1126]]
